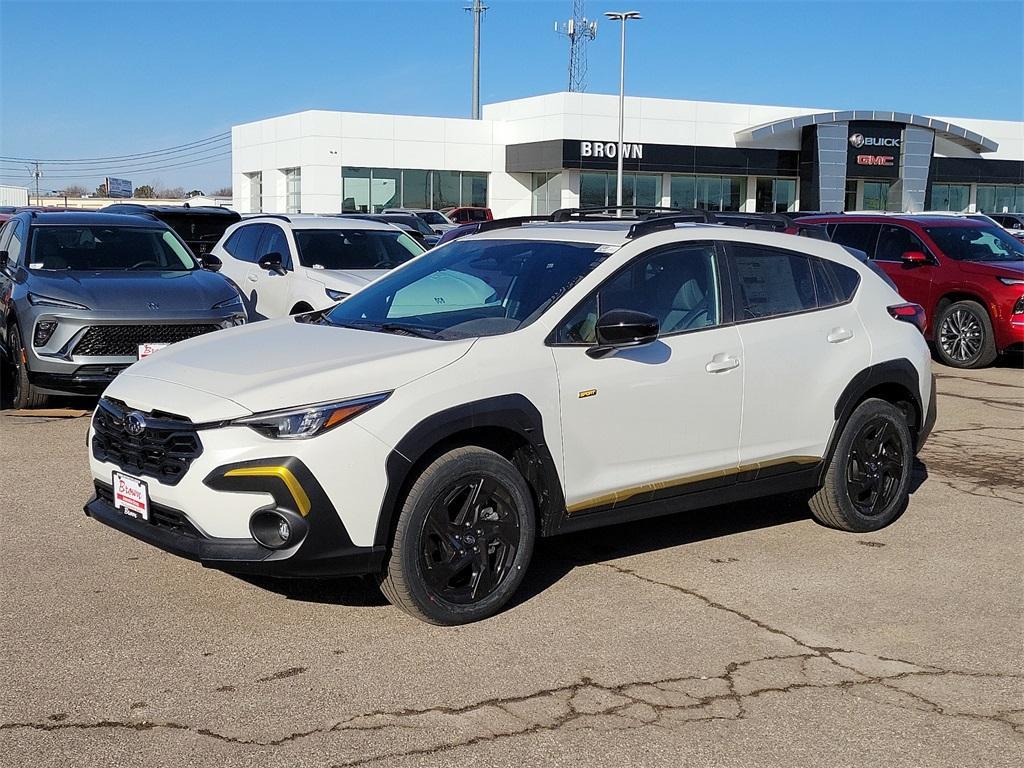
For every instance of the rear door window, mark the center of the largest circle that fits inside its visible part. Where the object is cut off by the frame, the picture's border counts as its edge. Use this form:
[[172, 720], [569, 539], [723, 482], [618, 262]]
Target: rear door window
[[769, 282], [859, 235]]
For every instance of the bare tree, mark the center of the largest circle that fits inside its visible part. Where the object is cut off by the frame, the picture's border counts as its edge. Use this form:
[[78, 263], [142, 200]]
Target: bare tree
[[74, 190], [144, 190], [170, 193], [222, 192]]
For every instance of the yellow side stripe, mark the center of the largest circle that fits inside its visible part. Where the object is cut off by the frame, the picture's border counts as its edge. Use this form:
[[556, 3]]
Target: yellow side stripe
[[284, 475]]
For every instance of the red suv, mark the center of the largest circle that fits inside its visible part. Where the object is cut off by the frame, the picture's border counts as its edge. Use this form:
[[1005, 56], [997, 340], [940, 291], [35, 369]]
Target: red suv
[[968, 275]]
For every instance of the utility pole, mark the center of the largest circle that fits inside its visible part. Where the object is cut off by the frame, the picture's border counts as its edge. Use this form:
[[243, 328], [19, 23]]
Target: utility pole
[[35, 172], [477, 9], [622, 16]]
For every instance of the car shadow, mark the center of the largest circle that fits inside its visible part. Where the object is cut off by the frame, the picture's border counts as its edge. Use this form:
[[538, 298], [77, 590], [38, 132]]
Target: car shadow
[[556, 557]]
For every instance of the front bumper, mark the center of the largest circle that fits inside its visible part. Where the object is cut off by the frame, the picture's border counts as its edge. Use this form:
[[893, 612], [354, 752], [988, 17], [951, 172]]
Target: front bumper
[[326, 549]]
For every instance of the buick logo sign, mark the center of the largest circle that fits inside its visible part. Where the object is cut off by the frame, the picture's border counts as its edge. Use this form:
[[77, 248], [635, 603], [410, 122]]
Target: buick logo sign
[[134, 424], [858, 140]]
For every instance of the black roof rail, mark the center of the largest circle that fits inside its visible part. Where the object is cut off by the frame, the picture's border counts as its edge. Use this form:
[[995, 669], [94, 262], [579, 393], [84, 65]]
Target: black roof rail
[[667, 221], [280, 216], [508, 222], [605, 212]]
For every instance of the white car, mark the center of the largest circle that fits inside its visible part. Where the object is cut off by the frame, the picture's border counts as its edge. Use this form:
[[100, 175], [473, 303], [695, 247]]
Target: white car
[[436, 220], [286, 265], [524, 382]]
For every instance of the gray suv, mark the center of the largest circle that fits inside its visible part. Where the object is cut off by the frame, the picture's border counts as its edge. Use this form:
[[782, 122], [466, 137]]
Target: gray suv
[[84, 295]]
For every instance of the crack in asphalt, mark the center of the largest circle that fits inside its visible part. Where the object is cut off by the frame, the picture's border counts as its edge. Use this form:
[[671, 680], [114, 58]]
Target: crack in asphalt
[[665, 702]]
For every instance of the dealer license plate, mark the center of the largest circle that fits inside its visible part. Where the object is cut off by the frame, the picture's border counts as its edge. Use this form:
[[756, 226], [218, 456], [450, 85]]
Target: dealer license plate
[[145, 350], [131, 495]]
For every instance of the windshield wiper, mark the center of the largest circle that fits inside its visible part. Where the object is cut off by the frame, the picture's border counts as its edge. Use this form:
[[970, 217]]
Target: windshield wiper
[[423, 333], [369, 325]]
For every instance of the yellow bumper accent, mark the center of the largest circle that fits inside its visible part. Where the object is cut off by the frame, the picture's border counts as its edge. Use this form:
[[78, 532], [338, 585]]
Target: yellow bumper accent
[[284, 475]]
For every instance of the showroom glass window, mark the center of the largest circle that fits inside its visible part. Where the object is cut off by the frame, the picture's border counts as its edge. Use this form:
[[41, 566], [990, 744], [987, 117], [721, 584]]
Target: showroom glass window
[[876, 196], [599, 188], [1000, 198], [710, 193], [255, 192], [949, 197], [546, 193], [775, 195], [371, 190], [293, 190]]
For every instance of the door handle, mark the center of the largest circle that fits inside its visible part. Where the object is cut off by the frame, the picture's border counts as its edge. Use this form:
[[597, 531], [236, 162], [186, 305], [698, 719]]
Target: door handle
[[251, 278], [839, 334], [722, 363]]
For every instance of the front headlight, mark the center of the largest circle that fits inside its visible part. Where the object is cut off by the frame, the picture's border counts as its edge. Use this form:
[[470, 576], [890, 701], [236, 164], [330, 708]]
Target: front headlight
[[37, 300], [334, 295], [235, 302], [309, 420], [1011, 280]]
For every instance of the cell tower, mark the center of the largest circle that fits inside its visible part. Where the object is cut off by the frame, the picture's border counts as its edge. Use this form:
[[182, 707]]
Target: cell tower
[[579, 29]]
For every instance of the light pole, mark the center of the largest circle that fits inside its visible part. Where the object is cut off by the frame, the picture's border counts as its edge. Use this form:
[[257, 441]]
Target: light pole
[[622, 16]]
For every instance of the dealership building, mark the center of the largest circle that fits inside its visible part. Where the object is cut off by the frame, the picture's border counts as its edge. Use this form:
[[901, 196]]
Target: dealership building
[[533, 155]]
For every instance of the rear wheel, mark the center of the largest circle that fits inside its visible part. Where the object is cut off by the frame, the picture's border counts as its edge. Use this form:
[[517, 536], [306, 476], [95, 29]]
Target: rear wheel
[[23, 393], [964, 337], [868, 480], [464, 538]]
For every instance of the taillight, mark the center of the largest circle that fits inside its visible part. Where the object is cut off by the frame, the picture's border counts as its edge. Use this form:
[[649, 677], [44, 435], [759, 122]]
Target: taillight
[[1018, 308], [909, 313]]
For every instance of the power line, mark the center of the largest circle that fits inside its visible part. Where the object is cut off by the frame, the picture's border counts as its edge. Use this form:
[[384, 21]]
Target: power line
[[113, 158], [187, 164], [127, 164]]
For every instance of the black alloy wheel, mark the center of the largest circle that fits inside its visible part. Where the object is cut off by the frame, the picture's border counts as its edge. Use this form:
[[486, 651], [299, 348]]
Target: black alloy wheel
[[463, 539], [874, 469], [469, 540]]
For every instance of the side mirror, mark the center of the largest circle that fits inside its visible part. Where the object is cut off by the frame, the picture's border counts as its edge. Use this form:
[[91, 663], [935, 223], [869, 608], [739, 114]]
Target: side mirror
[[914, 258], [621, 328], [210, 262], [272, 262]]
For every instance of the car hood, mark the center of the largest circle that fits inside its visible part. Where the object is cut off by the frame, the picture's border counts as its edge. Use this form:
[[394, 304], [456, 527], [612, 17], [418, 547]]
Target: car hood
[[132, 291], [344, 278], [279, 364], [994, 268]]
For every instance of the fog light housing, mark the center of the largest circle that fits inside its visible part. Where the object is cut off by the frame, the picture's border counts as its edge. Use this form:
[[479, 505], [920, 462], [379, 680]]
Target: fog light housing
[[277, 528], [44, 331]]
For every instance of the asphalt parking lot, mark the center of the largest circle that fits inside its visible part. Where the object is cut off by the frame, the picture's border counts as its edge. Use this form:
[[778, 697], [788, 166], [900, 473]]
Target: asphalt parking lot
[[744, 635]]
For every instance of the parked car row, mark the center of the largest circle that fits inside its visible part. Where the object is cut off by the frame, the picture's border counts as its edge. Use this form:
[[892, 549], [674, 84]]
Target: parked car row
[[427, 430]]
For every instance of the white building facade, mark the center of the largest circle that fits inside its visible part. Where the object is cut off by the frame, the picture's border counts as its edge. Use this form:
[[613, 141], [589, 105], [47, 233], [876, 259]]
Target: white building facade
[[534, 155]]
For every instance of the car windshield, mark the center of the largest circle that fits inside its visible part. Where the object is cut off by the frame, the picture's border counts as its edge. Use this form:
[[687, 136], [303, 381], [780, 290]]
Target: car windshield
[[977, 243], [412, 221], [432, 217], [354, 248], [91, 248], [470, 288]]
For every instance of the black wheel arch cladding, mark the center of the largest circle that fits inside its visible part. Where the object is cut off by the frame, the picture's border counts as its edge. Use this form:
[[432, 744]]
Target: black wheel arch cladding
[[512, 413]]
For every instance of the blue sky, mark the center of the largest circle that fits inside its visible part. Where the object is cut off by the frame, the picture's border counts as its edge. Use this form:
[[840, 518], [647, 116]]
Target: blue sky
[[92, 79]]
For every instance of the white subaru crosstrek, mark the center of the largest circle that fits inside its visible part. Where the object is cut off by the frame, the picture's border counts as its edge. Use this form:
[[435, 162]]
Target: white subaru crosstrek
[[524, 382], [285, 265]]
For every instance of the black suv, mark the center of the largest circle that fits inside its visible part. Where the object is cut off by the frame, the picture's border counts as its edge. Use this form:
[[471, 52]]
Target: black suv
[[200, 227]]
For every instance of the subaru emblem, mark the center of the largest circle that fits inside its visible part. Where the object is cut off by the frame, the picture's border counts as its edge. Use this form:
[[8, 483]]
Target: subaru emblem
[[134, 424], [154, 306]]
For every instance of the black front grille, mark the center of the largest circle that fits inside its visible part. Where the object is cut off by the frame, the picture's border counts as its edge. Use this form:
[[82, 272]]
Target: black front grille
[[159, 515], [164, 450], [120, 340]]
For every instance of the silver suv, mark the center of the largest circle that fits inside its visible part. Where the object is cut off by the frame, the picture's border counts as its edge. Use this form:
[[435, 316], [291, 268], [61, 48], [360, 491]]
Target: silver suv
[[85, 295]]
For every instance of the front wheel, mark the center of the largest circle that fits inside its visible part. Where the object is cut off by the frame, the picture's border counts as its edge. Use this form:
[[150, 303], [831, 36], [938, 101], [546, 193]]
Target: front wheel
[[464, 538], [964, 337], [23, 393], [867, 484]]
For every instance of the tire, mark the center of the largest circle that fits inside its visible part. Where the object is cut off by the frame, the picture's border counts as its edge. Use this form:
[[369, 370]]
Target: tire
[[23, 393], [964, 337], [299, 308], [865, 489], [468, 497]]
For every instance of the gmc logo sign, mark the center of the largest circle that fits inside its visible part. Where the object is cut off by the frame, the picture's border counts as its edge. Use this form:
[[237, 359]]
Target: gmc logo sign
[[883, 160], [611, 149]]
